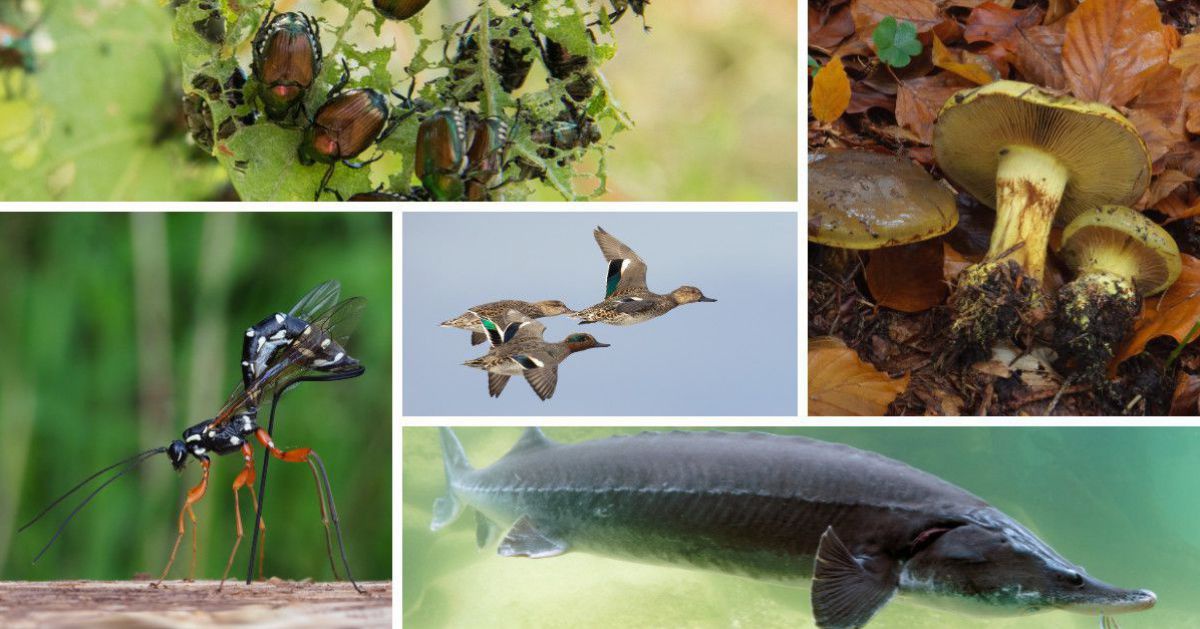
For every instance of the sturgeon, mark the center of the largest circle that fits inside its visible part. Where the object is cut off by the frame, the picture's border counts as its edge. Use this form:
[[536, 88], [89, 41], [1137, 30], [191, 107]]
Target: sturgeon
[[860, 526]]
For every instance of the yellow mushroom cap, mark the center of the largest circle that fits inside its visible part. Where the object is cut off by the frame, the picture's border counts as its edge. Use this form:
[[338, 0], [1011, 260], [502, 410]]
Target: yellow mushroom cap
[[1104, 156], [866, 200], [1114, 237]]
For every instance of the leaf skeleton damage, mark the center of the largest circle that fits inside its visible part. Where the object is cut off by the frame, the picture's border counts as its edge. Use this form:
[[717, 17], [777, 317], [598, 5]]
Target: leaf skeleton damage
[[457, 123]]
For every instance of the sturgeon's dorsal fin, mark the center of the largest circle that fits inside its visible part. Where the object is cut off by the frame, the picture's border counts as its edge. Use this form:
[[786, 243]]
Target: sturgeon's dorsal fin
[[845, 594], [524, 539], [486, 531], [532, 439]]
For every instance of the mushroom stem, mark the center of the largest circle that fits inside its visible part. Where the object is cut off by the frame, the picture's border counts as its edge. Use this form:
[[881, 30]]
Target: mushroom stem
[[1029, 187]]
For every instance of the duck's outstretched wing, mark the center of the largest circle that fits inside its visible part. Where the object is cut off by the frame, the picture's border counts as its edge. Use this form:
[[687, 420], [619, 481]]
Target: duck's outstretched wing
[[626, 271]]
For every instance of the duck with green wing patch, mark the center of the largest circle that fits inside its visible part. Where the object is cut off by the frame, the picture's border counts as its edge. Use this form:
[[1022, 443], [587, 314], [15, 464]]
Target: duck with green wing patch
[[518, 349], [472, 320], [626, 299]]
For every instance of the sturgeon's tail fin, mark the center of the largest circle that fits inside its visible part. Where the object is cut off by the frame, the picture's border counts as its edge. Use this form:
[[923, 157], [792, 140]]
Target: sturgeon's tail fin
[[447, 508]]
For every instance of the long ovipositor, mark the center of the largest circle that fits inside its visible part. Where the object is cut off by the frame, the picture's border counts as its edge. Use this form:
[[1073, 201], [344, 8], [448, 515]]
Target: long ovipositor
[[861, 526]]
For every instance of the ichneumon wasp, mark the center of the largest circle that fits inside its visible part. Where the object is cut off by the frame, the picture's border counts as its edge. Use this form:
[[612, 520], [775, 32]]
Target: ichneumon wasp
[[306, 344]]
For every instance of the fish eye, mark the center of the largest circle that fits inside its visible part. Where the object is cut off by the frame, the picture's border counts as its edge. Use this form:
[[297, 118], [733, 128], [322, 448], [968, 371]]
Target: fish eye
[[1075, 579]]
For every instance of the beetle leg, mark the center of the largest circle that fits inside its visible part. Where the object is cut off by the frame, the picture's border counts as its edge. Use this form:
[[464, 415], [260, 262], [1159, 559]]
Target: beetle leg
[[324, 182], [194, 495], [337, 87]]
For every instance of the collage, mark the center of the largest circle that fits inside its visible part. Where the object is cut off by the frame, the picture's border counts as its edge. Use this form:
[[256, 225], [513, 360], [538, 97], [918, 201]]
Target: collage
[[542, 314]]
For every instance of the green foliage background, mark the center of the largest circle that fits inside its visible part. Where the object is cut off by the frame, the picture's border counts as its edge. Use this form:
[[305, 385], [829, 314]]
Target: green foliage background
[[711, 91], [119, 331]]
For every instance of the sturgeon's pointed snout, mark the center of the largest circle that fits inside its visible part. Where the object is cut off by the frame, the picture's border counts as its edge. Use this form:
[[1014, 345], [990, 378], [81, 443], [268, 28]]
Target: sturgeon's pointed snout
[[1098, 597]]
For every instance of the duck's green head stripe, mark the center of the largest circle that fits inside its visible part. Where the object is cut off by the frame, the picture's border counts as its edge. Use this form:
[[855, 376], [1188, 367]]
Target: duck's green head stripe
[[614, 277]]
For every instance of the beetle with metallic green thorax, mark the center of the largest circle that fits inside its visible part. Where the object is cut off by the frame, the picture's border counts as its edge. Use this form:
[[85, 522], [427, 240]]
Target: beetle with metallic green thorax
[[399, 9], [441, 155], [511, 63], [485, 157], [286, 62], [345, 125]]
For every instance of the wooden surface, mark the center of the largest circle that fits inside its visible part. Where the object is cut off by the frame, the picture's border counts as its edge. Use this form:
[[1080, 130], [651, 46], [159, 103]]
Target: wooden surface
[[196, 604]]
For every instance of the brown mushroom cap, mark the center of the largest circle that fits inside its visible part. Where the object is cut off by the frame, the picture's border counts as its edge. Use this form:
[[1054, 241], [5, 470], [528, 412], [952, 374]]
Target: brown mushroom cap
[[1118, 240], [865, 200], [1104, 156]]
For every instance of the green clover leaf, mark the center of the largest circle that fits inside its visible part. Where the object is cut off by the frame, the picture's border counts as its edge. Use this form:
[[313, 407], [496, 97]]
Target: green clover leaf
[[896, 43], [813, 66]]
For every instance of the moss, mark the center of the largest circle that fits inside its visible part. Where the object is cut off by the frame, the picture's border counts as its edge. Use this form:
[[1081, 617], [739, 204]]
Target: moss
[[1093, 314]]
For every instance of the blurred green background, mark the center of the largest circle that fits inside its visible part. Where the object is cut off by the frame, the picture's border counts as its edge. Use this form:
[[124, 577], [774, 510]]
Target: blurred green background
[[712, 90], [118, 331]]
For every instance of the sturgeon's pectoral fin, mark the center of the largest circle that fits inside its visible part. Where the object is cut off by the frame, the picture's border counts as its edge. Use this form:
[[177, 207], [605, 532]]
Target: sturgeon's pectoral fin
[[486, 531], [845, 594], [445, 511], [525, 540]]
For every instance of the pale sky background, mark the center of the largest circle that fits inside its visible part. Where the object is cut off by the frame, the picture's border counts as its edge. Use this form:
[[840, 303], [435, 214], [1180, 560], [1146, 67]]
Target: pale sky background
[[733, 357]]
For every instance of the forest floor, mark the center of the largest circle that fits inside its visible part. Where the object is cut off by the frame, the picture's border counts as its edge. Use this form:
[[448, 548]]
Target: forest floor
[[193, 604]]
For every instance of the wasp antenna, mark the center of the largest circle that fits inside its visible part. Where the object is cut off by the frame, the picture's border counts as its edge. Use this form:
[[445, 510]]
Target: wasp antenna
[[86, 481], [130, 464], [337, 527]]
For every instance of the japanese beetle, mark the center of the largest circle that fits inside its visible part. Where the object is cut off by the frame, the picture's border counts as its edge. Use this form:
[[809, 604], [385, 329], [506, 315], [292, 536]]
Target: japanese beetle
[[399, 9], [212, 26], [485, 158], [565, 133], [286, 61], [621, 6], [379, 195], [569, 68], [199, 118], [459, 156], [16, 48], [441, 155], [346, 124], [512, 64]]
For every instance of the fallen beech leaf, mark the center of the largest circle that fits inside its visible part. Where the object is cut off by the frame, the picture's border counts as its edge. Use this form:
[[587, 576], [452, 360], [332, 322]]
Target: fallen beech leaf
[[1171, 314], [1186, 400], [1163, 98], [1112, 49], [1191, 98], [946, 60], [1188, 53], [1159, 138], [840, 383], [1038, 55], [999, 25], [1059, 9], [1163, 185], [867, 14], [1175, 208], [862, 98], [830, 91], [919, 100], [953, 262], [907, 278], [834, 30]]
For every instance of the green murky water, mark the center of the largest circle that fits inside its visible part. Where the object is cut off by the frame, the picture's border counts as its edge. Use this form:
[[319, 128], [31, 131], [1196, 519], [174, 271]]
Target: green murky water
[[1122, 502]]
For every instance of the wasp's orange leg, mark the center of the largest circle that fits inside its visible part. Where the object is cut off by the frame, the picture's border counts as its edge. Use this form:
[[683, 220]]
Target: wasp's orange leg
[[194, 495], [244, 479], [300, 455]]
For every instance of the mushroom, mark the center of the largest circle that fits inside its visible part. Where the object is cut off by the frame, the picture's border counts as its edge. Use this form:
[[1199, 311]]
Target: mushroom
[[1119, 255], [865, 200], [1032, 155]]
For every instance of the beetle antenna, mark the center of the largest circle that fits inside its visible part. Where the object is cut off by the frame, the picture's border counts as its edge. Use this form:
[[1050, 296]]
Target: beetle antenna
[[130, 463]]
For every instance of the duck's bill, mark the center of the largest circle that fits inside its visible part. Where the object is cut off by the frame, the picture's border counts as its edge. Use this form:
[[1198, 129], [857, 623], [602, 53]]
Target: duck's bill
[[707, 299], [603, 345]]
